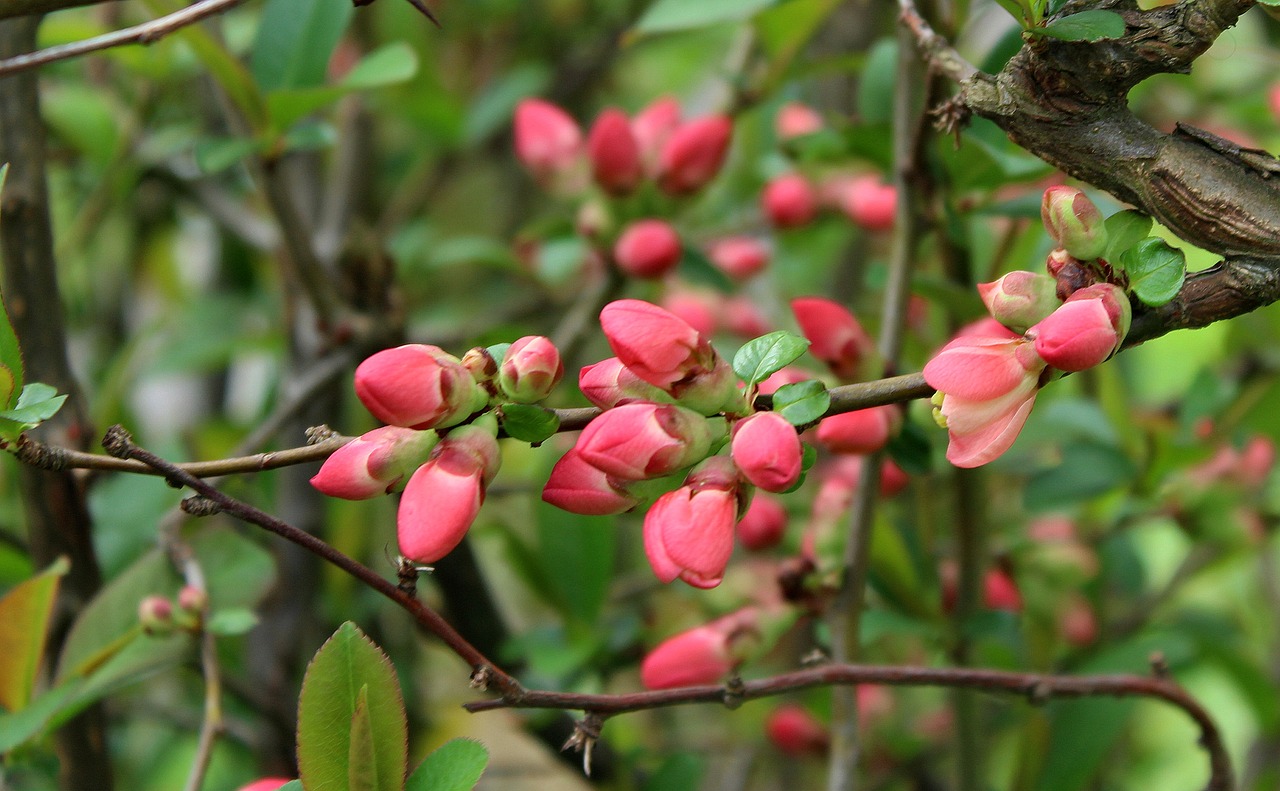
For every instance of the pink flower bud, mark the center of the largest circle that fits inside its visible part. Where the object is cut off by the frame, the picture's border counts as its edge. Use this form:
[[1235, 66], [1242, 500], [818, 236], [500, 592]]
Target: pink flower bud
[[418, 386], [577, 487], [764, 523], [793, 730], [531, 369], [892, 479], [1256, 461], [1000, 592], [1020, 299], [766, 449], [744, 318], [648, 249], [861, 431], [614, 153], [796, 120], [688, 533], [1087, 329], [869, 203], [787, 376], [695, 308], [835, 336], [480, 362], [155, 613], [1074, 222], [693, 155], [641, 441], [1078, 624], [444, 496], [739, 257], [652, 127], [986, 388], [192, 599], [609, 383], [267, 784], [548, 142], [789, 201], [702, 655], [375, 463]]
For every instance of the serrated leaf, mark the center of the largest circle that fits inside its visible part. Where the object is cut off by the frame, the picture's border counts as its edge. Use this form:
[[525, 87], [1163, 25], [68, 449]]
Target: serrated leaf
[[24, 626], [346, 664], [666, 16], [759, 359], [529, 422], [802, 403], [1155, 270], [1093, 25], [227, 623], [1124, 230], [455, 766]]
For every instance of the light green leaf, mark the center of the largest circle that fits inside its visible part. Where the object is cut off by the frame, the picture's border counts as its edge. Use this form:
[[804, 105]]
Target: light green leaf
[[802, 403], [529, 422], [1093, 25], [1124, 230], [216, 154], [759, 359], [455, 766], [347, 669], [226, 623], [24, 626], [388, 65], [1155, 270], [295, 40], [665, 16]]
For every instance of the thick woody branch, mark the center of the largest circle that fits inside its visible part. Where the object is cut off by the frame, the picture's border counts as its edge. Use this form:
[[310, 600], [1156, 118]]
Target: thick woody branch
[[1037, 688]]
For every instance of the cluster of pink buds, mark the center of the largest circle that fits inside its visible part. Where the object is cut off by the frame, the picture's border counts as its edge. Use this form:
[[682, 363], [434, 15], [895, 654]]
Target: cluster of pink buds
[[443, 468], [1070, 319]]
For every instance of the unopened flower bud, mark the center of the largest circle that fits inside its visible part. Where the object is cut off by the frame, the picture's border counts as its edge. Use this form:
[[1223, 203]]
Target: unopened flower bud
[[531, 369], [688, 533], [698, 309], [1074, 222], [266, 784], [764, 523], [155, 613], [860, 431], [739, 257], [702, 655], [835, 336], [548, 143], [577, 487], [693, 154], [377, 462], [642, 441], [870, 203], [609, 383], [789, 201], [614, 153], [1020, 299], [794, 120], [481, 363], [1087, 329], [648, 249], [192, 599], [418, 386], [652, 127], [767, 450], [794, 731]]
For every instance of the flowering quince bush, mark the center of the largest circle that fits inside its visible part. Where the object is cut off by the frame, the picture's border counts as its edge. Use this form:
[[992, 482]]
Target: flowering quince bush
[[610, 360]]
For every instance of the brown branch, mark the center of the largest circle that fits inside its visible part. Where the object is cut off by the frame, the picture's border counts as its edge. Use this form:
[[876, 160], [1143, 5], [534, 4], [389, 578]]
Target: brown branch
[[145, 33], [118, 443]]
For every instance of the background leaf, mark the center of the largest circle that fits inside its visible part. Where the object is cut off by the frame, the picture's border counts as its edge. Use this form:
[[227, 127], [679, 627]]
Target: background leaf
[[455, 766], [24, 627], [666, 16], [295, 40], [1092, 25]]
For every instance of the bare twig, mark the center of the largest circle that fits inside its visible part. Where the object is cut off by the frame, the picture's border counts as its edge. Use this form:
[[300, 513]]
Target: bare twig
[[146, 33]]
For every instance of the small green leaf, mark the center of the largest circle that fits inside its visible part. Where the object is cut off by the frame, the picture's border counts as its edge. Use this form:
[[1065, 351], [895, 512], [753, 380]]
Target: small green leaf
[[348, 670], [666, 16], [1124, 230], [387, 65], [226, 623], [24, 625], [1155, 270], [1270, 2], [310, 136], [38, 403], [529, 422], [802, 403], [1093, 25], [455, 766], [759, 359]]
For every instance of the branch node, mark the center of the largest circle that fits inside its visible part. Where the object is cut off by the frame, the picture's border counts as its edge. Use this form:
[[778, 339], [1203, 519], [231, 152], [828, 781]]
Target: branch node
[[734, 692], [480, 677], [1159, 665], [320, 433], [40, 455], [1039, 693], [586, 732], [118, 442], [199, 505]]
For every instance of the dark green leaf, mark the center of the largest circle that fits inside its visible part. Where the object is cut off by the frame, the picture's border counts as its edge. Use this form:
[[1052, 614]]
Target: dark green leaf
[[1155, 270], [348, 670], [295, 40], [879, 78], [759, 359], [529, 422], [1124, 230], [911, 450], [802, 403], [665, 16], [575, 556], [697, 268], [681, 772], [1093, 25], [455, 766]]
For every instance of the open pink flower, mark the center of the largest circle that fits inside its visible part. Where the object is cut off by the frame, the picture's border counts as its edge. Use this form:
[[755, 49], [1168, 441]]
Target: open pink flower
[[445, 494], [688, 533], [986, 388]]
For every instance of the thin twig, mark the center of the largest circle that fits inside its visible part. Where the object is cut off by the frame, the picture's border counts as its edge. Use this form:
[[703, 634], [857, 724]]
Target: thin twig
[[145, 33], [485, 673]]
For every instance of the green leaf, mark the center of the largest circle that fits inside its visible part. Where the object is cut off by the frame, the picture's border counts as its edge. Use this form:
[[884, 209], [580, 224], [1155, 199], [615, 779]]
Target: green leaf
[[910, 449], [493, 108], [292, 785], [295, 40], [879, 82], [1124, 230], [216, 154], [1155, 270], [455, 766], [347, 670], [310, 137], [362, 763], [759, 359], [683, 771], [1093, 25], [529, 422], [696, 268], [388, 65], [575, 558], [1085, 470], [226, 623], [801, 403], [665, 16], [24, 626], [38, 403]]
